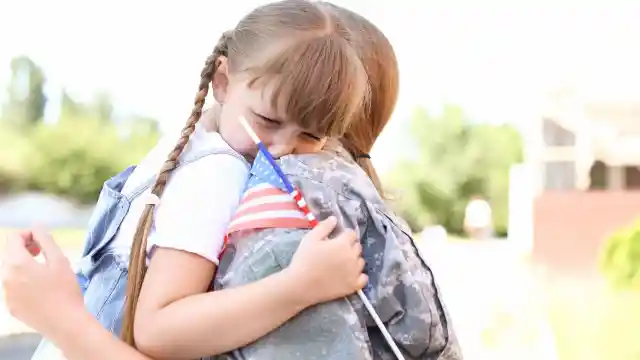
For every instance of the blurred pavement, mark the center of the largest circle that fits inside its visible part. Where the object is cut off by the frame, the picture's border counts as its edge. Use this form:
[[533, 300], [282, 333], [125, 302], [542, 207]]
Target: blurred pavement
[[18, 347]]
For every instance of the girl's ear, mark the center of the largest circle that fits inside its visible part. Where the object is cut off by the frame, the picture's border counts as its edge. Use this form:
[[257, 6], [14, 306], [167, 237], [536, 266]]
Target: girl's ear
[[220, 81]]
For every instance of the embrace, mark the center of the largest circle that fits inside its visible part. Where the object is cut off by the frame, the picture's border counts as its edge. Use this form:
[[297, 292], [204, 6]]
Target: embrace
[[204, 254]]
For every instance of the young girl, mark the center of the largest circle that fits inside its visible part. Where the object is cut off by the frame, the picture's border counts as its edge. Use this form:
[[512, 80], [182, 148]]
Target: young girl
[[289, 69]]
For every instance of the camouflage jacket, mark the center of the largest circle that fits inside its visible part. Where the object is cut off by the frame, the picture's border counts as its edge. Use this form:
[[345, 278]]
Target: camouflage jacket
[[401, 285]]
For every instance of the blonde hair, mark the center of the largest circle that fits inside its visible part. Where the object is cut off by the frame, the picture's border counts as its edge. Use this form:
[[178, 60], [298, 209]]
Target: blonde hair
[[303, 49]]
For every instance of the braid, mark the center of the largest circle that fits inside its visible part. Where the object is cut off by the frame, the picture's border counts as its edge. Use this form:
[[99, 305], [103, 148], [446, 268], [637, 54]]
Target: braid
[[137, 262]]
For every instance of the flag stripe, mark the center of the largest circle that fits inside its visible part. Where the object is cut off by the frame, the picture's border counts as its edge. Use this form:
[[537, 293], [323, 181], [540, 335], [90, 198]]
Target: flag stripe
[[266, 214], [262, 190], [261, 208], [265, 201]]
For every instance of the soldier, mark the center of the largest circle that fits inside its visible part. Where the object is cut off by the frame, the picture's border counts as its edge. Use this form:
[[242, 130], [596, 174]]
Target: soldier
[[401, 285]]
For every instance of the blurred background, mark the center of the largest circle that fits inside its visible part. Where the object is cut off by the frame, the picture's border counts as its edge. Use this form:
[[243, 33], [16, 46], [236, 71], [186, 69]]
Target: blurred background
[[513, 153]]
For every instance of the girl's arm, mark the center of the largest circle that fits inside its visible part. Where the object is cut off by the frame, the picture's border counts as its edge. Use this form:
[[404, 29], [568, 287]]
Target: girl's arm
[[82, 337], [28, 284], [219, 321], [177, 318], [207, 316]]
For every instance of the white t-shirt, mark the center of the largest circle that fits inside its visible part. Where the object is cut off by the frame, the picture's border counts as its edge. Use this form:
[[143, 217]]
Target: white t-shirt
[[197, 204]]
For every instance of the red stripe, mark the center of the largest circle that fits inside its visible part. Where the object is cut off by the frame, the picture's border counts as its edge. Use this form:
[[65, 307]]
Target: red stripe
[[270, 191], [266, 207], [224, 247]]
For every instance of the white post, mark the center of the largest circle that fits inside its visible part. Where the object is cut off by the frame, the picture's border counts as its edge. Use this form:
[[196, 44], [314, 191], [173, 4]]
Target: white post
[[521, 197], [615, 177]]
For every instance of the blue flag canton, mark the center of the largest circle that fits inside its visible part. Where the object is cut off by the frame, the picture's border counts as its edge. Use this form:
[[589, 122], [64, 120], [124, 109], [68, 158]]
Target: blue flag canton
[[262, 172]]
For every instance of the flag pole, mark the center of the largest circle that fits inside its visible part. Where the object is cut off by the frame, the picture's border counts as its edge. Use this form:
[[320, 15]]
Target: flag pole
[[297, 197]]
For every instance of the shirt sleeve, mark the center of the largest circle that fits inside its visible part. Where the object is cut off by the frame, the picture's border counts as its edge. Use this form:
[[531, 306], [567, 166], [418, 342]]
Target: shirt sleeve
[[197, 205]]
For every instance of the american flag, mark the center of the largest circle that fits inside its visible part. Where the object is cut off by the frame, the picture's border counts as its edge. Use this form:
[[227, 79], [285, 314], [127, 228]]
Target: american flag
[[267, 203]]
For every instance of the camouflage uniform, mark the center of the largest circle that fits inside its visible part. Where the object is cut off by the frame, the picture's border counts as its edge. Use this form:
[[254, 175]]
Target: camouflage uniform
[[401, 286]]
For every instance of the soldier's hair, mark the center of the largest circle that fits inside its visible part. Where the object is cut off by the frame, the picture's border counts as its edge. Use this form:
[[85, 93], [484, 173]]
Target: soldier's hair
[[302, 49], [379, 59]]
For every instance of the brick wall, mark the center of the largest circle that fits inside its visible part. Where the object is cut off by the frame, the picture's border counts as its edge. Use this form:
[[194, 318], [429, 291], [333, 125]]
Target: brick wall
[[570, 226]]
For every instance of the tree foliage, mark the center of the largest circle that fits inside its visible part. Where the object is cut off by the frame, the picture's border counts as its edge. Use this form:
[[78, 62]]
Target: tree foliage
[[73, 156], [620, 258], [26, 97], [455, 160]]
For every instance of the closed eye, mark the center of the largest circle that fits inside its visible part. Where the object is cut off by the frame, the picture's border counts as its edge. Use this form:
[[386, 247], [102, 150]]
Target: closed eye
[[267, 120]]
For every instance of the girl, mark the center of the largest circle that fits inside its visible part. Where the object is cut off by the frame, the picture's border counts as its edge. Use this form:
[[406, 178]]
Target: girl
[[288, 67]]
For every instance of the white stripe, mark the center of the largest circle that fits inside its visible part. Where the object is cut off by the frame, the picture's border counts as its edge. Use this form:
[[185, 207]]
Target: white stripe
[[289, 214], [259, 187], [269, 199], [310, 216], [302, 202]]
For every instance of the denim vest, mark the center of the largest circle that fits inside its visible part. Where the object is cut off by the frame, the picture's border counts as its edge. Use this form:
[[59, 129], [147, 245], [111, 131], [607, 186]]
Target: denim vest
[[101, 273]]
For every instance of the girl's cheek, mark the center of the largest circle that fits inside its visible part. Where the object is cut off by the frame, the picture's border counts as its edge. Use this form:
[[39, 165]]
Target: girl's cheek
[[265, 135]]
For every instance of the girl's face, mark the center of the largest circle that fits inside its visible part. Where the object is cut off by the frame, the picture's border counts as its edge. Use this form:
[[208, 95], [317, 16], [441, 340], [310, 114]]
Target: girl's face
[[281, 136]]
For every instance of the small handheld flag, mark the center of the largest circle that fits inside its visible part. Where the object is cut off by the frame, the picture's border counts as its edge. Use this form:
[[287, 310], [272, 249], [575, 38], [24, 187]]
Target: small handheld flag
[[266, 202], [263, 161]]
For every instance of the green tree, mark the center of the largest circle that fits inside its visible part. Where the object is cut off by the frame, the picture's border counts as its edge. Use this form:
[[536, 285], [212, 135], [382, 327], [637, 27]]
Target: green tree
[[143, 125], [100, 108], [69, 107], [456, 159], [26, 98], [75, 156]]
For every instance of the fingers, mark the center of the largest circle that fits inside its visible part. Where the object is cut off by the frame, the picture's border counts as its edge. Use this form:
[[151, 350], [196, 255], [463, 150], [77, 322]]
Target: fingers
[[31, 245], [324, 228], [16, 248], [33, 249], [363, 279], [52, 253], [348, 236], [357, 247]]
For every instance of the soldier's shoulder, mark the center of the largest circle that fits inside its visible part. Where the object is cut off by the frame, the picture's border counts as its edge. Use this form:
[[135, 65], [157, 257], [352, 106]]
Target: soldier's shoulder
[[330, 172]]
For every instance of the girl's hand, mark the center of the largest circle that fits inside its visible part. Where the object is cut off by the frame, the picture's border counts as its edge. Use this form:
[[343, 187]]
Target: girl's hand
[[327, 269], [42, 295]]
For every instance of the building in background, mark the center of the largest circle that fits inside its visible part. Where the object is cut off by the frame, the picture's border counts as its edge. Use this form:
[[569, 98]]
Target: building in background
[[585, 161]]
